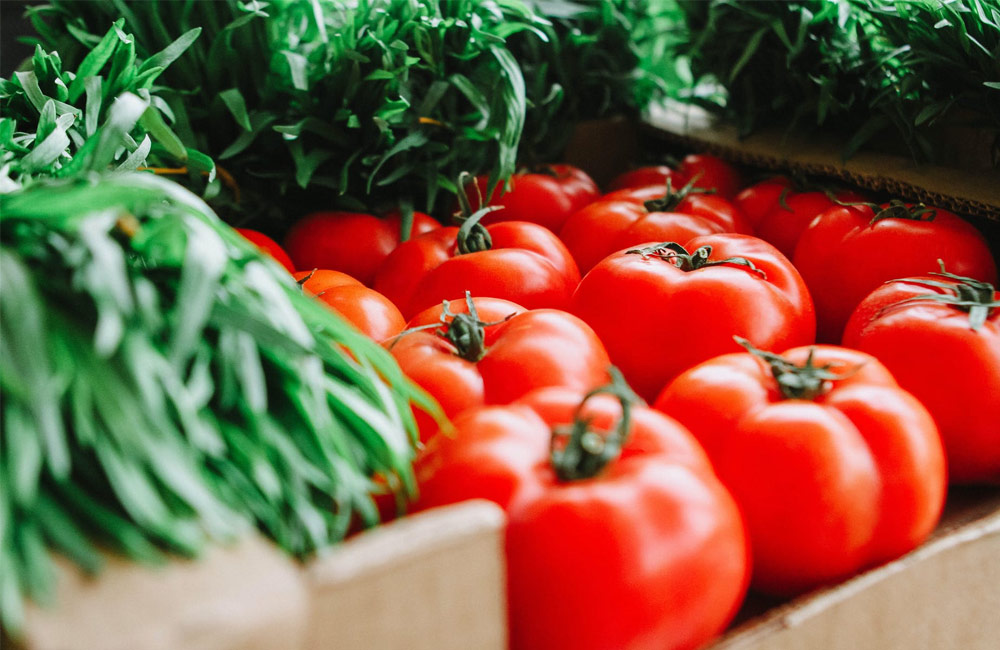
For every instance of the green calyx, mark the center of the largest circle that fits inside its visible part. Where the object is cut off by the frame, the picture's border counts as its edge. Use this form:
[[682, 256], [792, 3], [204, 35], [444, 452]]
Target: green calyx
[[677, 255], [464, 330], [578, 451], [472, 235], [972, 296], [805, 382], [672, 198], [899, 210]]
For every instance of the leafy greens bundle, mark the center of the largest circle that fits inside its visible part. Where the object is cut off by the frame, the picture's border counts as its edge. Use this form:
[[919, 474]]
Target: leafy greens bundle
[[874, 69], [315, 104]]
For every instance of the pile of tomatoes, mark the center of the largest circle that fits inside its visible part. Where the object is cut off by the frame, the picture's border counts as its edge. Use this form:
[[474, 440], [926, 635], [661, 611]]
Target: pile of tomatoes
[[682, 388]]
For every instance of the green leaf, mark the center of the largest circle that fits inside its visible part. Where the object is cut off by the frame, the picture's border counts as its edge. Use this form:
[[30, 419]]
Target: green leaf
[[95, 61], [233, 99]]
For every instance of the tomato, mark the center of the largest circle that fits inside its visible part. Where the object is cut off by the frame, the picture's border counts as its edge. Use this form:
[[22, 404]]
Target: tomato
[[939, 335], [711, 172], [269, 246], [835, 467], [757, 200], [545, 198], [651, 176], [347, 241], [635, 216], [644, 551], [515, 260], [846, 252], [496, 356], [365, 308], [787, 219], [660, 310]]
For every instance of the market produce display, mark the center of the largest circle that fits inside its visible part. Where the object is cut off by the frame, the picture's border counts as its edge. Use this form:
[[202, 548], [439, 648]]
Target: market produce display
[[297, 267]]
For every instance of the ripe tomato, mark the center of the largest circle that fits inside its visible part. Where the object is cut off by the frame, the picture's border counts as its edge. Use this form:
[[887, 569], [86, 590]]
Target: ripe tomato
[[515, 260], [365, 308], [835, 467], [660, 311], [636, 216], [545, 198], [651, 176], [711, 172], [757, 200], [846, 252], [646, 552], [946, 352], [347, 241], [269, 246], [496, 356], [781, 212]]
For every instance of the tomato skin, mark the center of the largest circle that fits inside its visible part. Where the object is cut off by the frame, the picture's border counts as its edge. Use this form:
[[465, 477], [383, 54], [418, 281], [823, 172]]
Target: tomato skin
[[269, 246], [757, 200], [783, 225], [546, 199], [351, 242], [527, 265], [656, 320], [532, 349], [712, 172], [959, 383], [843, 257], [650, 176], [828, 486], [621, 220], [650, 554], [365, 308]]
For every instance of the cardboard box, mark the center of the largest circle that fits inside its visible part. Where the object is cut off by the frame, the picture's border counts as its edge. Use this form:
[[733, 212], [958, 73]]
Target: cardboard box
[[945, 595], [430, 581]]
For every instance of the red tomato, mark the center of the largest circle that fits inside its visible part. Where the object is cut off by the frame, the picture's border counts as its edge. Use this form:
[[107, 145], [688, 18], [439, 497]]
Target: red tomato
[[524, 263], [470, 362], [646, 553], [660, 312], [651, 176], [635, 216], [711, 172], [269, 246], [758, 199], [543, 198], [846, 252], [350, 242], [948, 355], [365, 308], [835, 467], [784, 223]]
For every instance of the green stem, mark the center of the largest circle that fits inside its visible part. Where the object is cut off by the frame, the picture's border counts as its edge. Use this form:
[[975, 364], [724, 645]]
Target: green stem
[[577, 451], [972, 296], [806, 382], [677, 255], [672, 198], [472, 235]]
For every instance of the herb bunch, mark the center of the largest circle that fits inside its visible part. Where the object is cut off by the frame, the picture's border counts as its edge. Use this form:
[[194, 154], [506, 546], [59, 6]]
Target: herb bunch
[[164, 386], [55, 122], [380, 101], [869, 68], [582, 65]]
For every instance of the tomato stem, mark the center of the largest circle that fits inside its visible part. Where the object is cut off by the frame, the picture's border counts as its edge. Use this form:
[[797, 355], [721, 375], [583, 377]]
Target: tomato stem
[[672, 198], [966, 294], [579, 452], [472, 236], [806, 382], [677, 255]]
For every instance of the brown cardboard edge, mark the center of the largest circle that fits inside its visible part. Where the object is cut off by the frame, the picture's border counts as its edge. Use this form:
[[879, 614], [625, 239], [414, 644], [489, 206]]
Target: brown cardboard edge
[[972, 515], [245, 596], [435, 580], [974, 192]]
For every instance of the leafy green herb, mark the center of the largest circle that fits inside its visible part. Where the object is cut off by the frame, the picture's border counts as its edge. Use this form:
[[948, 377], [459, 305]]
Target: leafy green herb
[[870, 68], [164, 386]]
